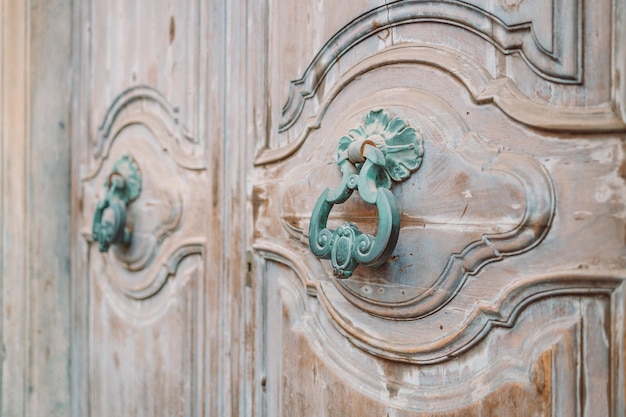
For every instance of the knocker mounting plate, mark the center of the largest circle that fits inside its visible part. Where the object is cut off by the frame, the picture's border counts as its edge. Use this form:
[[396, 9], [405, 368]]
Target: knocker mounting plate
[[371, 157]]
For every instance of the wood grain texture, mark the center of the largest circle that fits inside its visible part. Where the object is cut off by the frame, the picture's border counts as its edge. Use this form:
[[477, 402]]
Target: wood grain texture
[[219, 308], [507, 43], [35, 217], [557, 305], [146, 331], [144, 308], [512, 32], [546, 365], [15, 124]]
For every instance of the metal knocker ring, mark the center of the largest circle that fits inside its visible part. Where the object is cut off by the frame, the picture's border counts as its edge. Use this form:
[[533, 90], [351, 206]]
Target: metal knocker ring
[[123, 186], [369, 158]]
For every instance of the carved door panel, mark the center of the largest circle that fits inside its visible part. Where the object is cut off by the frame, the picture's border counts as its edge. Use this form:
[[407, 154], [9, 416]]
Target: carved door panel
[[145, 338], [485, 140]]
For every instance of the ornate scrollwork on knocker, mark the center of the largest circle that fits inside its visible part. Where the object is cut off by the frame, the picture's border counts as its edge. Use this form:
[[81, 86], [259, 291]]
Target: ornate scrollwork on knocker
[[122, 187], [370, 157]]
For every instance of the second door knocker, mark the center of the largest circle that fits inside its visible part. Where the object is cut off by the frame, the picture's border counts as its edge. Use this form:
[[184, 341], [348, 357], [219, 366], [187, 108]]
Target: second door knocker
[[122, 187]]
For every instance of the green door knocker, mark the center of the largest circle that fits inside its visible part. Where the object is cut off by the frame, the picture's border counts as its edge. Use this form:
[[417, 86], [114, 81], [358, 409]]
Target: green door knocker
[[122, 187], [385, 148]]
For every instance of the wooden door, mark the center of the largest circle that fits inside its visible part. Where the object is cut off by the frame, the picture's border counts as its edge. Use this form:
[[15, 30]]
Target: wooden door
[[147, 323], [501, 128], [505, 292]]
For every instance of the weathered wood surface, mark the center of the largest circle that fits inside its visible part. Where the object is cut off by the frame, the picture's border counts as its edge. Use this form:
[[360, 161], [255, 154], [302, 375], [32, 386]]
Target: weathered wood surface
[[505, 294], [148, 332], [35, 196], [233, 111]]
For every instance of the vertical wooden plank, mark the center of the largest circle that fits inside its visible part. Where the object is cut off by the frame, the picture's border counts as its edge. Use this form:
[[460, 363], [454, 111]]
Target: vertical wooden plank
[[15, 90], [258, 125], [234, 202], [212, 121], [81, 17], [49, 207], [35, 215], [618, 74], [617, 330], [245, 118], [596, 341]]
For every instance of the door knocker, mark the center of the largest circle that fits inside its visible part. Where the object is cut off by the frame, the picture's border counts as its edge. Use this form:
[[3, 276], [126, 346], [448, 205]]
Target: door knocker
[[385, 148], [122, 187]]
